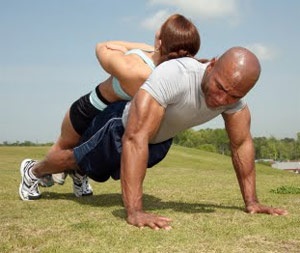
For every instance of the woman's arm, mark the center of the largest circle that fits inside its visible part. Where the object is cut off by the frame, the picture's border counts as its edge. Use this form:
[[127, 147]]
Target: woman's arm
[[105, 49], [125, 44], [112, 59]]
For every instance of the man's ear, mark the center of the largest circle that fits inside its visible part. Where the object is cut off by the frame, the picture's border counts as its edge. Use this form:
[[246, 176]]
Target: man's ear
[[211, 64]]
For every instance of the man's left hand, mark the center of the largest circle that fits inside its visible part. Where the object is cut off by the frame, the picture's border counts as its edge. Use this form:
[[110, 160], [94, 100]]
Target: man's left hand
[[258, 208]]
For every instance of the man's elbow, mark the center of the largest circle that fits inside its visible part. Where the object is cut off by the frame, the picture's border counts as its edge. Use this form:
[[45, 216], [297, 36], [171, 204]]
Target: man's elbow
[[129, 138], [246, 143], [134, 140]]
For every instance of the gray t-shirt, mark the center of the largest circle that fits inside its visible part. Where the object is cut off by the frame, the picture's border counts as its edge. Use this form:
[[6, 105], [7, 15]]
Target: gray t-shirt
[[176, 85]]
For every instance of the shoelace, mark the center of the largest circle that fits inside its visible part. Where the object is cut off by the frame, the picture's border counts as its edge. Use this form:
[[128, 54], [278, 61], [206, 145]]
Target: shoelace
[[34, 188]]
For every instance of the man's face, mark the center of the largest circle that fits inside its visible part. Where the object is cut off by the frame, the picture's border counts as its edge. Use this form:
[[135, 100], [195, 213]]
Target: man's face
[[222, 87]]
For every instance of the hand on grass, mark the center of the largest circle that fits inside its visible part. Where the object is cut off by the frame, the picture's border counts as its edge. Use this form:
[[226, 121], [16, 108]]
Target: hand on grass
[[258, 208], [142, 219]]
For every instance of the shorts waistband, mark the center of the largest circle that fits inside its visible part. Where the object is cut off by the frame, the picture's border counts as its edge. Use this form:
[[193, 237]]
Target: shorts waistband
[[97, 100]]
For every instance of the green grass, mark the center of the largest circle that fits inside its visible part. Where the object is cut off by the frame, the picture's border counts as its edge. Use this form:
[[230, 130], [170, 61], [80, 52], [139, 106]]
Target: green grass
[[287, 190], [198, 190]]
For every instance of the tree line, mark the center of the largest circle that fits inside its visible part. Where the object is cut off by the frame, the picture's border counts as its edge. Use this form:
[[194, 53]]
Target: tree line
[[216, 140], [25, 144]]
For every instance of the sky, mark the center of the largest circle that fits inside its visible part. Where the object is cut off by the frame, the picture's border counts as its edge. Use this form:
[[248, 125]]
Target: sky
[[47, 55]]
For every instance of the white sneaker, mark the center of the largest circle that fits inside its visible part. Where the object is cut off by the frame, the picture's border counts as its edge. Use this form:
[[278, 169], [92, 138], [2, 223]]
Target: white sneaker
[[81, 186], [29, 187], [60, 178]]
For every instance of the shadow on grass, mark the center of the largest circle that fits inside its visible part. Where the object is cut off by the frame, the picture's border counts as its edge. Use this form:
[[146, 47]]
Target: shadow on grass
[[151, 203]]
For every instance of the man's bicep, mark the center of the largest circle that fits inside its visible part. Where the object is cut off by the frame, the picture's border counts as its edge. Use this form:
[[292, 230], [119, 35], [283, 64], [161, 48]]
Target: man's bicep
[[238, 126]]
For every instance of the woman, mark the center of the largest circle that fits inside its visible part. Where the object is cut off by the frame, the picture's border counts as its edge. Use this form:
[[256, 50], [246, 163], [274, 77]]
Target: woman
[[129, 64]]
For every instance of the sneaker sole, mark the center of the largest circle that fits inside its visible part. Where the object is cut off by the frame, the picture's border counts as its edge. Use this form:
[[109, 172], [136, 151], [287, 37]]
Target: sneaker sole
[[83, 195], [87, 194], [60, 182], [29, 198]]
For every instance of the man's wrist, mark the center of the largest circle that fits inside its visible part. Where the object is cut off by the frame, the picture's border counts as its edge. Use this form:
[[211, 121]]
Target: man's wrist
[[251, 203], [133, 211]]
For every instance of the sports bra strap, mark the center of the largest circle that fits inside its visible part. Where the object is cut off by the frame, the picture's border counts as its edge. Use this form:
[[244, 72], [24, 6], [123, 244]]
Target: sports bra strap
[[141, 54]]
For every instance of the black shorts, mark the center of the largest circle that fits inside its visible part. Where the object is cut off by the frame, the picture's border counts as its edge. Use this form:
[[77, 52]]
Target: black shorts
[[82, 112]]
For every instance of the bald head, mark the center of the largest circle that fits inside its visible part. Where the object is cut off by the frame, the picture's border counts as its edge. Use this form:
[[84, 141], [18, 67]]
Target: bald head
[[242, 67], [230, 77]]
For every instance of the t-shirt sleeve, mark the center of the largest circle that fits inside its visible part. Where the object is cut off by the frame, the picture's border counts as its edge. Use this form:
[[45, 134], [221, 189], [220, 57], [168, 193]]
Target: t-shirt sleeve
[[236, 107], [163, 84]]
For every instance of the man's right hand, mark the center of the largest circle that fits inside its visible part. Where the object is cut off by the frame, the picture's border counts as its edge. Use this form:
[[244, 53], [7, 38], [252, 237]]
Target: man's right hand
[[142, 219]]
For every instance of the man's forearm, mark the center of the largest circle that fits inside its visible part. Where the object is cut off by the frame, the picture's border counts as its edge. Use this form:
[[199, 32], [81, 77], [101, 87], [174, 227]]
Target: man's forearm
[[133, 170], [243, 162]]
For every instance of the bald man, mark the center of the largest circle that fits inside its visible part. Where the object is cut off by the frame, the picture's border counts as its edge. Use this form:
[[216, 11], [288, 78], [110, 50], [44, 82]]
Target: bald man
[[179, 94]]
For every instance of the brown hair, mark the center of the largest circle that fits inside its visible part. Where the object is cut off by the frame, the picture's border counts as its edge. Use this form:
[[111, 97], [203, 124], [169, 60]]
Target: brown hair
[[206, 60], [179, 38]]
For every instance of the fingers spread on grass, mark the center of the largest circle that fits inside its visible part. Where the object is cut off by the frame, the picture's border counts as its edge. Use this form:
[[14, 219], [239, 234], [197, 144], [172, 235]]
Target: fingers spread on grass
[[142, 219], [258, 208]]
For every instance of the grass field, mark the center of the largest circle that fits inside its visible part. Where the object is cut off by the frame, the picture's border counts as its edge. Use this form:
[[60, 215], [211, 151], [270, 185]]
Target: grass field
[[198, 190]]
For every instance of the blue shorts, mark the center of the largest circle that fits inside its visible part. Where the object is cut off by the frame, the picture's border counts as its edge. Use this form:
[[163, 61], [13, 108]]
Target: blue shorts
[[99, 152]]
